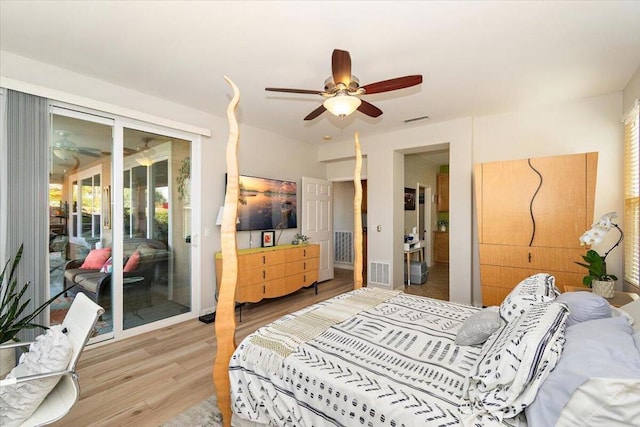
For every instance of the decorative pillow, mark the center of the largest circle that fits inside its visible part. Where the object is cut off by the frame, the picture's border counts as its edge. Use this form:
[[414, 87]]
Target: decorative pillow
[[51, 352], [534, 289], [584, 306], [633, 309], [96, 259], [515, 361], [616, 312], [479, 326], [603, 402], [596, 348], [107, 267], [132, 262]]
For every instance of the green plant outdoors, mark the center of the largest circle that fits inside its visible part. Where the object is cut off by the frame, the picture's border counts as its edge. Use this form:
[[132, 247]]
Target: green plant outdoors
[[12, 316], [597, 268]]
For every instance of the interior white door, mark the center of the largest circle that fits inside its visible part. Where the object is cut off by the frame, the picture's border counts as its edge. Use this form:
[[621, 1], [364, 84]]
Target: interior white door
[[317, 222]]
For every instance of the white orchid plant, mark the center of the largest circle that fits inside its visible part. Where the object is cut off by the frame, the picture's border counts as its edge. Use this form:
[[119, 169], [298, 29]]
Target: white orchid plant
[[594, 262]]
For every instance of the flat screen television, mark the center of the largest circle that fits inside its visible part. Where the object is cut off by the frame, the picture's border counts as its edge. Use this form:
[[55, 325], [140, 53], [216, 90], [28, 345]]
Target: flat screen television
[[266, 204]]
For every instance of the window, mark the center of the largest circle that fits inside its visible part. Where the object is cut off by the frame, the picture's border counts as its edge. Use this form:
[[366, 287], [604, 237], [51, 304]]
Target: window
[[632, 196]]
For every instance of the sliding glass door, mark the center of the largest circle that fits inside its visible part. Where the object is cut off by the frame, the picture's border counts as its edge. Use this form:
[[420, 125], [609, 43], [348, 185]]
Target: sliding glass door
[[120, 220], [157, 275]]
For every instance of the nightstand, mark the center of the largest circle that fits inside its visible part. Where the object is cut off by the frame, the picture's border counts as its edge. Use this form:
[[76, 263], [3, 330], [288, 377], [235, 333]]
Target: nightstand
[[619, 298]]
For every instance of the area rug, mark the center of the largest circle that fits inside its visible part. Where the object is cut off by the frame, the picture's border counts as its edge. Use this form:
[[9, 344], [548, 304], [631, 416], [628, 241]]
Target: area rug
[[203, 414]]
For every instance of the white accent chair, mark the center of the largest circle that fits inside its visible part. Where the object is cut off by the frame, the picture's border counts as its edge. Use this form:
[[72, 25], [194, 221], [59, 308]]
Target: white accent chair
[[79, 321]]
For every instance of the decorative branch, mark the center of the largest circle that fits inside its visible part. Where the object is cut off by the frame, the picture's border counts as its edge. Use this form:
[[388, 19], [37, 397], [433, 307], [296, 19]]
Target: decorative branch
[[357, 216], [226, 322]]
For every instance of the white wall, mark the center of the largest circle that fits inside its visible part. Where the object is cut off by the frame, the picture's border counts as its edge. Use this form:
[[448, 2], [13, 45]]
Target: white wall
[[260, 153], [385, 187], [592, 124], [631, 91], [585, 125]]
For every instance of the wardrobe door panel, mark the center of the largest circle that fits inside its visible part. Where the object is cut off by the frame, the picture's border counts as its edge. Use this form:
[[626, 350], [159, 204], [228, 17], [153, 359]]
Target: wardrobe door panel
[[507, 188]]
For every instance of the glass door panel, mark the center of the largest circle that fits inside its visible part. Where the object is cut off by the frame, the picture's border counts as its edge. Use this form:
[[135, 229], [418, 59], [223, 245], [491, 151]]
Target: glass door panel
[[157, 273], [80, 212]]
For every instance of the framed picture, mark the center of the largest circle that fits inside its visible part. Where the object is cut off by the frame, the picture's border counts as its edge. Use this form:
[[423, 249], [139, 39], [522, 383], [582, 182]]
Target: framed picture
[[409, 199], [268, 238]]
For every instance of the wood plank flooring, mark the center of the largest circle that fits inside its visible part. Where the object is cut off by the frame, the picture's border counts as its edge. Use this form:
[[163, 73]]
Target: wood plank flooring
[[148, 379]]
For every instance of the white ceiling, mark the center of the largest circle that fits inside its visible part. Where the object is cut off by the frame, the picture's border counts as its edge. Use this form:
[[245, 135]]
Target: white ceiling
[[477, 58]]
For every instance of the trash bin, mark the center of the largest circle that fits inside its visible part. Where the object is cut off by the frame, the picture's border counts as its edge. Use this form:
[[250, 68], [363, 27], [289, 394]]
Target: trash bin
[[419, 272]]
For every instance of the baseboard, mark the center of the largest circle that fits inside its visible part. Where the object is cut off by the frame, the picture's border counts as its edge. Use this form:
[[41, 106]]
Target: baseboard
[[208, 318]]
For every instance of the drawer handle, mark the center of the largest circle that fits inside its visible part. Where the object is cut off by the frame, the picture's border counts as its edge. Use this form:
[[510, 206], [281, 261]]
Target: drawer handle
[[305, 278], [305, 252], [264, 289], [305, 265], [264, 274], [263, 259], [529, 256]]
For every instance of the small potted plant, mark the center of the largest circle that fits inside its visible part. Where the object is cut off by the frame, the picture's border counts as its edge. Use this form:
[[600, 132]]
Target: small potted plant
[[13, 318], [301, 239], [601, 282]]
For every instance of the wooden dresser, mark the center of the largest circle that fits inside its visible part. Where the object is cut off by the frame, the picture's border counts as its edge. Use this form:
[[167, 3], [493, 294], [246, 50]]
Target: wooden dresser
[[273, 272], [531, 213]]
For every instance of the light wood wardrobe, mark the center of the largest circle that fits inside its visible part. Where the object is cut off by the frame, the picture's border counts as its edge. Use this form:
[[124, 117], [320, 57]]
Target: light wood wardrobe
[[530, 215]]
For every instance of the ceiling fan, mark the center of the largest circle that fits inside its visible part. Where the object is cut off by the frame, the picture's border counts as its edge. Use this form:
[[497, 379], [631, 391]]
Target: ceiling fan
[[66, 149], [342, 90]]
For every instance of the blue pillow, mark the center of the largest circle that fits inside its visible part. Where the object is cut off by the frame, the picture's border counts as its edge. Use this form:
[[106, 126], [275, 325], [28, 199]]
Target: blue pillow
[[595, 348], [584, 306]]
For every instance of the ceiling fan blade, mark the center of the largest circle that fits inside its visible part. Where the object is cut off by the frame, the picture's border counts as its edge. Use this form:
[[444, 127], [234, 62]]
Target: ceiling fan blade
[[392, 84], [341, 67], [278, 89], [315, 113], [369, 109]]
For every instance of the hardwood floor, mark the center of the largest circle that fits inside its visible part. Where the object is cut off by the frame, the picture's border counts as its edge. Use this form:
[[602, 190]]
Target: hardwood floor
[[148, 379]]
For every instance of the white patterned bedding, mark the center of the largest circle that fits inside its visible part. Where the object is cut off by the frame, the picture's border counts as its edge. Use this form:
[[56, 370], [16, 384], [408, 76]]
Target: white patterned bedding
[[393, 364]]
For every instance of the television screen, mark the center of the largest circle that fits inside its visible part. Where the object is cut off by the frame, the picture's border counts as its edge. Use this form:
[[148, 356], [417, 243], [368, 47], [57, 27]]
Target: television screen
[[266, 204]]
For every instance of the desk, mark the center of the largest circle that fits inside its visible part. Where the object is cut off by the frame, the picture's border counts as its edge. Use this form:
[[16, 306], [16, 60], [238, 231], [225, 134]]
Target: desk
[[619, 298], [407, 254]]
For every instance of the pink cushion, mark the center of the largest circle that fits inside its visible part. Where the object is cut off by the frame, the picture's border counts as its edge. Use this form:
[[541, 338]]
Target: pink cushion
[[132, 262], [96, 259]]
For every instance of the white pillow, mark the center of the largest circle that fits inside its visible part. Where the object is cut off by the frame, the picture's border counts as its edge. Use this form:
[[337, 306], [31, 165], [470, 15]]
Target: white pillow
[[611, 402], [479, 326], [534, 289], [51, 352], [515, 361], [584, 306], [593, 349]]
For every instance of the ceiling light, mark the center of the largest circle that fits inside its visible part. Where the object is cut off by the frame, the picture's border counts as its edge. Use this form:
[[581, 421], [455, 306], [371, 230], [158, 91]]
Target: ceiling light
[[145, 157], [342, 104]]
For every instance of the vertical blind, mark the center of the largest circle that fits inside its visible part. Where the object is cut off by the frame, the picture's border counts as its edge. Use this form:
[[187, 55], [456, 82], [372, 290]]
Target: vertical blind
[[632, 196], [26, 212]]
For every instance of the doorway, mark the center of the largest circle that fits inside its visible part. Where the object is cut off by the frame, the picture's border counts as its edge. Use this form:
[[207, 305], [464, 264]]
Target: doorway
[[421, 171]]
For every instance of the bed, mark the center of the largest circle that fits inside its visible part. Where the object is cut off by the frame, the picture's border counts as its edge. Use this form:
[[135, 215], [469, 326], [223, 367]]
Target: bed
[[374, 357]]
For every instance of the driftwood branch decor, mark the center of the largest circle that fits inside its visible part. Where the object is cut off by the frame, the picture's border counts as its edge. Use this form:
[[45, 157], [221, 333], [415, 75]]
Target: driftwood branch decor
[[357, 216], [225, 315]]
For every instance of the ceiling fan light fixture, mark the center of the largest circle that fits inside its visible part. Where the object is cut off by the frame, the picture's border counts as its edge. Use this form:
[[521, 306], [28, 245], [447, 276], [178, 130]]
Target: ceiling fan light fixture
[[342, 104], [62, 154], [145, 158]]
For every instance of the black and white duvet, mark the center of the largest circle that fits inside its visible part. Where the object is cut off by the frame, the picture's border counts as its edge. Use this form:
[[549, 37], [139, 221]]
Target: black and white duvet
[[387, 363]]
